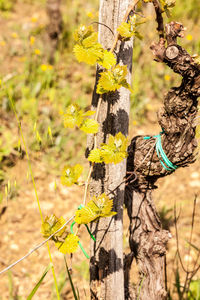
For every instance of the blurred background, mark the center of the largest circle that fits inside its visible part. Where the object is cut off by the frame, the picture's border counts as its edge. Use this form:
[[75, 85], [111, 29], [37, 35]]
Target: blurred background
[[39, 72]]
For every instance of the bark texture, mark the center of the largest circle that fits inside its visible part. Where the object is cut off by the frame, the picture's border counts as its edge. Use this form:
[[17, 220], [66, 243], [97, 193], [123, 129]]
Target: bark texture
[[55, 25], [177, 119], [106, 263]]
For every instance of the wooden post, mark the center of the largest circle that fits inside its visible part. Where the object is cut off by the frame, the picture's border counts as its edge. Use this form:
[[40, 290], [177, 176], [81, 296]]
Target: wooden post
[[106, 264]]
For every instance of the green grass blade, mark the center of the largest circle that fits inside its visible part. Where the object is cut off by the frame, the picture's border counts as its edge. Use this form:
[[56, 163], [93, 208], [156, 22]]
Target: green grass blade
[[78, 293], [193, 246], [71, 282], [34, 290]]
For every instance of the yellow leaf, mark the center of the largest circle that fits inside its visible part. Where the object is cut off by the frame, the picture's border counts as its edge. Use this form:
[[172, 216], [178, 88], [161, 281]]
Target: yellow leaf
[[100, 206], [70, 175], [51, 224], [108, 60], [89, 126], [91, 41], [113, 79], [82, 33], [73, 116], [115, 150], [87, 55], [125, 30], [95, 156], [69, 245], [110, 156], [89, 113], [87, 48]]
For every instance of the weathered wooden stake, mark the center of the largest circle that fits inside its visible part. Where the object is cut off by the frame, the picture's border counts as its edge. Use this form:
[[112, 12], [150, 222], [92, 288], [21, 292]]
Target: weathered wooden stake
[[106, 264]]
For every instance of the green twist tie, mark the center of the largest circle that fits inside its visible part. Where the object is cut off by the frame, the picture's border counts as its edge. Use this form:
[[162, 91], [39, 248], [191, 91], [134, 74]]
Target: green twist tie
[[72, 231], [165, 162]]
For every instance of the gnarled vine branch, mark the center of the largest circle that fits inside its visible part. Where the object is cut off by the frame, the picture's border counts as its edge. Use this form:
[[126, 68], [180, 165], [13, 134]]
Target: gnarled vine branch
[[177, 119]]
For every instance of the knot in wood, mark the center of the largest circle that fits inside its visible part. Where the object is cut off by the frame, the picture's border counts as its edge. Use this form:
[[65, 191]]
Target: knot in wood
[[159, 242], [171, 52]]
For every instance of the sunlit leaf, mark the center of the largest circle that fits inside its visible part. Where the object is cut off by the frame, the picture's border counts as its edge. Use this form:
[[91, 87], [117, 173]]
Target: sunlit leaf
[[51, 224], [70, 175], [100, 206], [166, 5], [112, 152], [89, 113], [89, 126], [69, 245], [127, 30], [73, 116], [112, 80], [88, 55], [87, 48], [108, 60], [91, 41], [95, 156], [82, 33], [115, 150]]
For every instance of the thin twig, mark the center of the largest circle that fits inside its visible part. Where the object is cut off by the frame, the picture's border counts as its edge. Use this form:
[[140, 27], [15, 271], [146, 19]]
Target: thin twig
[[186, 283], [177, 240], [87, 184], [104, 25], [130, 8]]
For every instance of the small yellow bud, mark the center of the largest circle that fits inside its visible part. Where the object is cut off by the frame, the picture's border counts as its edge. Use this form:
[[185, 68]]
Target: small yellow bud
[[37, 52], [14, 35], [135, 122], [34, 19], [44, 67], [189, 37], [2, 43], [32, 40], [167, 77], [90, 15]]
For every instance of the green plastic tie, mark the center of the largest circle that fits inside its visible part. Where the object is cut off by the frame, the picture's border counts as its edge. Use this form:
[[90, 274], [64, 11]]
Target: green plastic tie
[[165, 162], [79, 243]]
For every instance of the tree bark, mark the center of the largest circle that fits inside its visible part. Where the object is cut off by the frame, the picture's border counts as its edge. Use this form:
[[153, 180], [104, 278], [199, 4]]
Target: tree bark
[[106, 263], [54, 27], [177, 119]]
